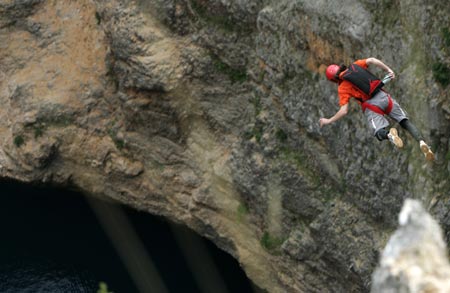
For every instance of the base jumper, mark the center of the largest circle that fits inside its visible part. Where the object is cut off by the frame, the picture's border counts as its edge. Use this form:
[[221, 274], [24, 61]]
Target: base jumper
[[357, 82]]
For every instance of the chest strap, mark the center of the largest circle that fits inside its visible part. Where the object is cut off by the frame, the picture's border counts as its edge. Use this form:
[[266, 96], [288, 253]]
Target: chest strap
[[377, 109]]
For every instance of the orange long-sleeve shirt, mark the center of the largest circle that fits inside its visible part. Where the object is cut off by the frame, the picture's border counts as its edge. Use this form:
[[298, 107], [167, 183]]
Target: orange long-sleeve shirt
[[347, 90]]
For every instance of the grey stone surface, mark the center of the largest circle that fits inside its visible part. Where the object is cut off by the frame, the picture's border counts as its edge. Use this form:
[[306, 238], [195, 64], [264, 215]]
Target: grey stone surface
[[206, 112], [415, 258]]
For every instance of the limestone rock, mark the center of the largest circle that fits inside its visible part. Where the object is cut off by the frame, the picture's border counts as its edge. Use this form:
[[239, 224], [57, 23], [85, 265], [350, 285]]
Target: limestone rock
[[206, 112], [415, 259], [124, 166]]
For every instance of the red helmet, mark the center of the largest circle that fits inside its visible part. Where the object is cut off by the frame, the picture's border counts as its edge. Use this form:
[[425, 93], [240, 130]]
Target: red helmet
[[331, 72]]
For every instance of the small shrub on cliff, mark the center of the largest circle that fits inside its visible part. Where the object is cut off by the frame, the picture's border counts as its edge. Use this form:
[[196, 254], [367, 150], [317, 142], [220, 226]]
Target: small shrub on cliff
[[120, 143], [256, 102], [281, 135], [270, 242], [38, 131], [98, 17], [235, 75], [256, 132], [19, 141], [242, 211], [441, 73], [103, 288]]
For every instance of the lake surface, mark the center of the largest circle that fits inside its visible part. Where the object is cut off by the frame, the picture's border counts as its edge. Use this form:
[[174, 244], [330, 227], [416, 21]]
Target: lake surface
[[53, 241]]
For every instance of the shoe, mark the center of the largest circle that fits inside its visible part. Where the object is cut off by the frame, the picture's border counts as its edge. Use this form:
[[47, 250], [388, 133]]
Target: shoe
[[426, 151], [394, 138]]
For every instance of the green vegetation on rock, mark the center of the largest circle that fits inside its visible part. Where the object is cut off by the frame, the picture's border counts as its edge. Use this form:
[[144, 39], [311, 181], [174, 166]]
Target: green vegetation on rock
[[256, 132], [38, 130], [235, 75], [120, 143], [19, 141], [256, 102], [441, 73], [281, 135], [270, 242], [103, 288], [242, 211], [98, 18]]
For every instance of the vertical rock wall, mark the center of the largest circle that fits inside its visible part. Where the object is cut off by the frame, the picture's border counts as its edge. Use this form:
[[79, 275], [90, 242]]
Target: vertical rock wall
[[207, 112]]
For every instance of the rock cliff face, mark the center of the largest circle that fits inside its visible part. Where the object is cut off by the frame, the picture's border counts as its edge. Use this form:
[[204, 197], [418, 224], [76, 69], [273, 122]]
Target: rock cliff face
[[206, 112]]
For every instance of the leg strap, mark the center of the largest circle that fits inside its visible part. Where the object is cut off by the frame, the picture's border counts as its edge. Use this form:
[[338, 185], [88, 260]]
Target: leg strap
[[377, 109]]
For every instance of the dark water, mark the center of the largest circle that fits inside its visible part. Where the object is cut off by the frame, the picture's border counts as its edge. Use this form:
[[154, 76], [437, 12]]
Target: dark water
[[52, 241]]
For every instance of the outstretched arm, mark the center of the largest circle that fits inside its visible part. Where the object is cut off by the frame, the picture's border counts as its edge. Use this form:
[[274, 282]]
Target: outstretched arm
[[380, 64], [339, 114]]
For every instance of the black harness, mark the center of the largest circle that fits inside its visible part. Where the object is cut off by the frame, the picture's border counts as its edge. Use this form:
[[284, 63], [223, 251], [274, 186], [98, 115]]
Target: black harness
[[367, 83]]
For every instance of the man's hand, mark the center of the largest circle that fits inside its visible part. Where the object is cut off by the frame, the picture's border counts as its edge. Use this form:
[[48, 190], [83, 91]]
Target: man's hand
[[343, 110], [391, 74], [324, 121]]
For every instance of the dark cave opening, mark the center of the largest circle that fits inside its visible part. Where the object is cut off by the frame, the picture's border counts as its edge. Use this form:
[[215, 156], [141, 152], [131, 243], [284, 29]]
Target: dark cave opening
[[53, 239]]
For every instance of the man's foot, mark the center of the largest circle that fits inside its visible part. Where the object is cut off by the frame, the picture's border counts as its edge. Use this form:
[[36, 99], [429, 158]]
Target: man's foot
[[394, 138], [426, 151]]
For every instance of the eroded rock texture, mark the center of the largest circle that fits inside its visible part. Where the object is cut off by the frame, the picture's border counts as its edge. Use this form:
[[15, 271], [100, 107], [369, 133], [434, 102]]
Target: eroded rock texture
[[415, 258], [206, 112]]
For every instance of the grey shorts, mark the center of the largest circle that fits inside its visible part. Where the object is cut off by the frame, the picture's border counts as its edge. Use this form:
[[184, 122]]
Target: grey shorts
[[377, 121]]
